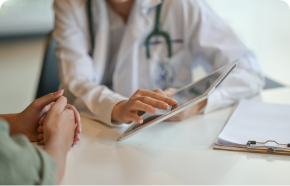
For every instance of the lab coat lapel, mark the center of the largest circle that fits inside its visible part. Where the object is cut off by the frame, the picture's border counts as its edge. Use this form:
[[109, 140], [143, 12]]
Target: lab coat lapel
[[101, 25], [138, 27]]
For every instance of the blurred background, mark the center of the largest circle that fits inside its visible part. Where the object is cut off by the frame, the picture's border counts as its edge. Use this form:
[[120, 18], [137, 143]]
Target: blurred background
[[28, 66]]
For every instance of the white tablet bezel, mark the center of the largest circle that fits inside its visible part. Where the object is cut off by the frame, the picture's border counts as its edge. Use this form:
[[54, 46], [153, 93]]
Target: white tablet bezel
[[204, 96]]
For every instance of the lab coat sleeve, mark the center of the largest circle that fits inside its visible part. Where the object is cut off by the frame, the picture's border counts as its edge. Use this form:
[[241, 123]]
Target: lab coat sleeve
[[214, 44], [75, 64]]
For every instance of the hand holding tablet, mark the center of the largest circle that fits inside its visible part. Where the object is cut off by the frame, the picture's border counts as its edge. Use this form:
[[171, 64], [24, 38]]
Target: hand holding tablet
[[142, 101], [191, 95]]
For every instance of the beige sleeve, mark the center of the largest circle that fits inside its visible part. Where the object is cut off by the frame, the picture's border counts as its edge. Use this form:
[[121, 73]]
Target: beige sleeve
[[22, 163]]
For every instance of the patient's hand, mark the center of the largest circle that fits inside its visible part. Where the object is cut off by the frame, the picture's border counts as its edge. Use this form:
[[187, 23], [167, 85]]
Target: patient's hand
[[77, 120], [26, 122], [187, 112]]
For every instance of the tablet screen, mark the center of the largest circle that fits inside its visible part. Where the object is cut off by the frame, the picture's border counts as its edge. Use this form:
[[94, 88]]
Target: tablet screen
[[183, 96]]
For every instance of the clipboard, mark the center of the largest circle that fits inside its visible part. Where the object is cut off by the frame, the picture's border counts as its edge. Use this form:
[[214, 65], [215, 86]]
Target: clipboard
[[252, 149], [259, 121]]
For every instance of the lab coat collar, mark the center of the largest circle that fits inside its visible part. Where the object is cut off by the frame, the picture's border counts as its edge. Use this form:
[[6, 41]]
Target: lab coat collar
[[139, 25]]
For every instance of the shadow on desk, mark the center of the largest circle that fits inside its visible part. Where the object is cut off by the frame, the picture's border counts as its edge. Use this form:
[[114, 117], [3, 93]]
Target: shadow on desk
[[166, 133]]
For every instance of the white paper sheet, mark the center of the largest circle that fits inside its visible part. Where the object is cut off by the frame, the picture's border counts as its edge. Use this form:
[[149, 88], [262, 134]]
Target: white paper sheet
[[257, 121]]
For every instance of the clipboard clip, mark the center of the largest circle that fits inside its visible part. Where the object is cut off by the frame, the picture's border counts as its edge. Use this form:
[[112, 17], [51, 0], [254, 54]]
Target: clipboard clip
[[268, 150]]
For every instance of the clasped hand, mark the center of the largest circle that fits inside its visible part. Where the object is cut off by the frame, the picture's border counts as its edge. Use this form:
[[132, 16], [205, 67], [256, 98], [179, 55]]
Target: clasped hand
[[27, 122]]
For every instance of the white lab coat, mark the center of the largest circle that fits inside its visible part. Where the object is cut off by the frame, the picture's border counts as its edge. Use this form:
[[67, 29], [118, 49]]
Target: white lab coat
[[202, 39]]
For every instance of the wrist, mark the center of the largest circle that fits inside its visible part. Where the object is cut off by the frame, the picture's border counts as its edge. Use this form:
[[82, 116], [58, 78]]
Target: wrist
[[57, 144], [58, 153], [10, 118], [115, 116]]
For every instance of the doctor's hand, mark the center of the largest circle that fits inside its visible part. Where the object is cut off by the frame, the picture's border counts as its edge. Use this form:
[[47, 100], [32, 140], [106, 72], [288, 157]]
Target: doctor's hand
[[187, 112], [77, 120], [141, 101]]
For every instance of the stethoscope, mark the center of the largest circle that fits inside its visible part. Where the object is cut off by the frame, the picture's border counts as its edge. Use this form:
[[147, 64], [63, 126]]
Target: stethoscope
[[157, 31]]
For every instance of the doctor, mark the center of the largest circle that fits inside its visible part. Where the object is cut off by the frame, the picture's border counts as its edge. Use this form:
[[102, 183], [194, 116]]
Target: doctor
[[105, 56]]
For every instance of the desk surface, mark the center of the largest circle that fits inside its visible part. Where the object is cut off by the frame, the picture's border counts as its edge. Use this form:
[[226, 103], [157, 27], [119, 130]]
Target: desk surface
[[172, 153]]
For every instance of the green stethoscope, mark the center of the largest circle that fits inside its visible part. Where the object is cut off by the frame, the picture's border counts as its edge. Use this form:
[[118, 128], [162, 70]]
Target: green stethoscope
[[157, 31]]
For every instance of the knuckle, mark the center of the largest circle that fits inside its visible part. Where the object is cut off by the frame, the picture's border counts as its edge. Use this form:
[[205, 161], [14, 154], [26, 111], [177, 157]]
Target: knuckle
[[140, 91], [36, 103], [70, 112], [63, 98], [145, 99], [159, 104], [134, 103], [157, 90], [73, 107], [148, 108]]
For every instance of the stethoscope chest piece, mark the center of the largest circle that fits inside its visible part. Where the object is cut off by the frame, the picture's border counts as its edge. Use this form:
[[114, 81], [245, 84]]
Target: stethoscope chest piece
[[161, 72]]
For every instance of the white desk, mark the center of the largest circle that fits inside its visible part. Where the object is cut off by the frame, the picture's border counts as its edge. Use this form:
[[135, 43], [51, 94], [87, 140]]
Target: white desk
[[172, 153]]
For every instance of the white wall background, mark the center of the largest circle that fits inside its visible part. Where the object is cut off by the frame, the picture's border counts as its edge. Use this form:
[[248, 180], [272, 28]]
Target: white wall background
[[264, 26]]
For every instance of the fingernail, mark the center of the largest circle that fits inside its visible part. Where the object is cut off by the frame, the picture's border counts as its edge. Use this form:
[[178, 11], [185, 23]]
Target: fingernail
[[140, 121], [153, 110], [165, 106], [173, 101], [62, 90]]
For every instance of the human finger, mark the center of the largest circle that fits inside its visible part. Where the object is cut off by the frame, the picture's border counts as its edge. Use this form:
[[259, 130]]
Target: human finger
[[40, 103], [159, 91], [77, 137], [153, 102], [46, 108], [79, 128], [41, 136], [134, 117], [76, 113], [59, 105], [77, 118], [41, 120], [156, 96], [140, 106], [74, 143], [40, 128]]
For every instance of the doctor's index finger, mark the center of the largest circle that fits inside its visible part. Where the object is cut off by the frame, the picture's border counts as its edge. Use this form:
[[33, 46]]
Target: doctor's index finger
[[59, 105], [160, 92], [156, 96]]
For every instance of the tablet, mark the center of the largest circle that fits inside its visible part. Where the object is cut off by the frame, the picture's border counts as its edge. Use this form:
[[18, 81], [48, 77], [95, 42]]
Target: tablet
[[185, 97]]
